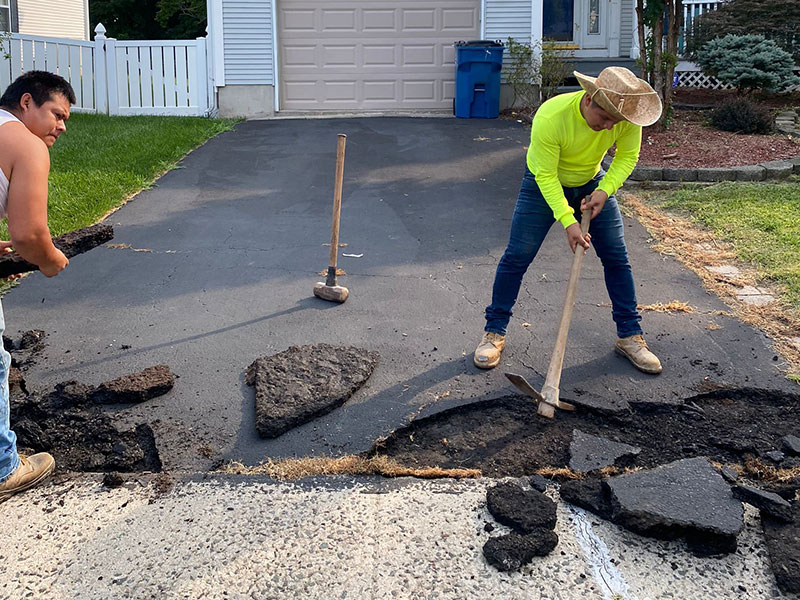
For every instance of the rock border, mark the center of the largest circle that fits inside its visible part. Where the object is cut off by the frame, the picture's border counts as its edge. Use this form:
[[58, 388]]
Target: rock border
[[766, 171]]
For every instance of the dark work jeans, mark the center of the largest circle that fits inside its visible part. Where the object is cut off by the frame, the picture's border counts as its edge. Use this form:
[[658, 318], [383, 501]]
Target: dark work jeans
[[532, 219]]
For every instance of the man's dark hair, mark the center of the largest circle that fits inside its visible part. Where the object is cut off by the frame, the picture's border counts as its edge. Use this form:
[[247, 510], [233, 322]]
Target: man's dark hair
[[41, 85]]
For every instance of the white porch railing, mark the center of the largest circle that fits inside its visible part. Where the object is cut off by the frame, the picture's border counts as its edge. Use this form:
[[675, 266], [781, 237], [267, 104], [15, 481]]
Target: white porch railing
[[691, 10], [148, 77]]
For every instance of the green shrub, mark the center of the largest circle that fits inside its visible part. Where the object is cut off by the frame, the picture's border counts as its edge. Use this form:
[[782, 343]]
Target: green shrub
[[535, 72], [748, 62], [741, 116], [777, 20]]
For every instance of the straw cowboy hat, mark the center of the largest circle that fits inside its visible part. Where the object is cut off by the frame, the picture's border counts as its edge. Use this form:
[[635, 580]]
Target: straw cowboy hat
[[623, 95]]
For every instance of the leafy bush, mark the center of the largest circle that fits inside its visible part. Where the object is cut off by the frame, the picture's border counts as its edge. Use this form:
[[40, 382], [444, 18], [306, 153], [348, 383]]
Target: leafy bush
[[748, 62], [741, 116], [777, 20], [555, 66], [536, 76]]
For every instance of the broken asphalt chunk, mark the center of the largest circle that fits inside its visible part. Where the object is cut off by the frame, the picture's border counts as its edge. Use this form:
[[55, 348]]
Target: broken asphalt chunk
[[684, 499], [590, 452], [305, 382], [521, 510], [783, 545], [770, 503], [791, 445], [511, 551], [136, 387], [591, 494], [71, 244]]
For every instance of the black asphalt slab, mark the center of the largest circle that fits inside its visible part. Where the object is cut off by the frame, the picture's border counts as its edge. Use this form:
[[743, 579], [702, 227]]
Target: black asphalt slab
[[224, 253]]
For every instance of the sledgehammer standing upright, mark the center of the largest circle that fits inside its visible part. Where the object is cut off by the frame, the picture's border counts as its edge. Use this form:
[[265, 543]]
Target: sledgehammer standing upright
[[330, 290]]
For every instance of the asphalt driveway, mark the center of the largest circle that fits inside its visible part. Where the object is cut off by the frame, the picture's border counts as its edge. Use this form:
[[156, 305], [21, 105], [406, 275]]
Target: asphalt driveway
[[225, 250]]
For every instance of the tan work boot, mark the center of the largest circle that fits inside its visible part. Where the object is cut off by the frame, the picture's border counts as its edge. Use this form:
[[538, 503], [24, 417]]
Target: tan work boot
[[635, 350], [30, 472], [487, 354]]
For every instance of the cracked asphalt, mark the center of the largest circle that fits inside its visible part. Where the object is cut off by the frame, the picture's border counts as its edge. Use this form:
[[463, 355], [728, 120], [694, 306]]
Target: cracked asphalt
[[224, 252]]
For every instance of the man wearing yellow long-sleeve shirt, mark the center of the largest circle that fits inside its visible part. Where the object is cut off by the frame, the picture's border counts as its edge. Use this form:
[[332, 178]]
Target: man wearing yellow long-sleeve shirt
[[569, 137]]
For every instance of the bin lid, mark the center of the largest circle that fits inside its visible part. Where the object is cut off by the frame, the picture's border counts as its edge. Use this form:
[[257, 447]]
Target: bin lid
[[491, 43]]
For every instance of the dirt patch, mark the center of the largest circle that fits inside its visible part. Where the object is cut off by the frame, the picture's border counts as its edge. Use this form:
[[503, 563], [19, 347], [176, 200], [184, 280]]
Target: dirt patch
[[505, 437], [69, 423], [71, 244]]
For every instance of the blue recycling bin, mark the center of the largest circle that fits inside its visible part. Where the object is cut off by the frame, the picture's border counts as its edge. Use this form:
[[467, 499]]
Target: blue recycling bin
[[478, 65]]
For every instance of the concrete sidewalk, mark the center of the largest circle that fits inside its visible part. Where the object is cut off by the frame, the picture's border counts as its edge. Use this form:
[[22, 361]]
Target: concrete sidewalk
[[366, 538]]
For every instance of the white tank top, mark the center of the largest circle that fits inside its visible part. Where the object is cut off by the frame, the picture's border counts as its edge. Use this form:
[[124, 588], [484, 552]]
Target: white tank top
[[5, 117]]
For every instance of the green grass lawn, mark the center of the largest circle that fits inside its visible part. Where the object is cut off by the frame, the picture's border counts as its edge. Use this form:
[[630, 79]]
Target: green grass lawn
[[101, 161], [762, 221]]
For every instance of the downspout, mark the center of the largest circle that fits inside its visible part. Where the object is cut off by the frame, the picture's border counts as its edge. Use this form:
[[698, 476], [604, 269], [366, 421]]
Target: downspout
[[275, 57], [482, 18], [215, 44]]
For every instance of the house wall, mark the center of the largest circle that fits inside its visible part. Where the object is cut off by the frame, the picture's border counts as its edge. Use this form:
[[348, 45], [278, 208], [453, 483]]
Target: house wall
[[248, 60], [54, 18], [508, 18], [247, 34]]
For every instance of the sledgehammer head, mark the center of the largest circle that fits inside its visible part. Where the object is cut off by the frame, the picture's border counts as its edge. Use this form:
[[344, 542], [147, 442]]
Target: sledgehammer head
[[332, 293]]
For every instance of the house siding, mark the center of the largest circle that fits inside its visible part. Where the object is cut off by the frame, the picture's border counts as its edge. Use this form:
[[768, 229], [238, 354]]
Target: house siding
[[505, 19], [53, 18], [626, 28], [247, 31], [508, 18]]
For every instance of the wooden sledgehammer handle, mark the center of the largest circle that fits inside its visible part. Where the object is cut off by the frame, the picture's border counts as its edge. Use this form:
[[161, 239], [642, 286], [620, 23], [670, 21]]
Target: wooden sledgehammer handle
[[553, 379], [337, 204]]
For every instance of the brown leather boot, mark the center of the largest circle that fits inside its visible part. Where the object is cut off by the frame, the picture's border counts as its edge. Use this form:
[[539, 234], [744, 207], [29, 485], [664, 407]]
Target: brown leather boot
[[635, 350], [30, 472], [487, 354]]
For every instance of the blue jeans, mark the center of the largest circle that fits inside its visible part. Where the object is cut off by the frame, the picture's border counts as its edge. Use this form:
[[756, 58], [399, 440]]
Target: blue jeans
[[9, 459], [532, 219]]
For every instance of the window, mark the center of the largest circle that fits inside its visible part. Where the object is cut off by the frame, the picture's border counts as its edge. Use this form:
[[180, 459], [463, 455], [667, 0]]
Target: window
[[558, 15], [5, 15], [594, 16]]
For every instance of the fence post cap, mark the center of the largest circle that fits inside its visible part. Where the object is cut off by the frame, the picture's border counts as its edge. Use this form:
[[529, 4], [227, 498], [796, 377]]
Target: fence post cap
[[99, 30]]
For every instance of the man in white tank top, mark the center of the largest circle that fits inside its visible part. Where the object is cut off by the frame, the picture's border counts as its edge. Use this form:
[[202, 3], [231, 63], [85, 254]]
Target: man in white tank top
[[33, 112]]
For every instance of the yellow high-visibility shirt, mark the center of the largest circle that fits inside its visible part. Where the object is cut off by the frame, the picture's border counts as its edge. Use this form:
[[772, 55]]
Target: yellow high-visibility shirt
[[565, 151]]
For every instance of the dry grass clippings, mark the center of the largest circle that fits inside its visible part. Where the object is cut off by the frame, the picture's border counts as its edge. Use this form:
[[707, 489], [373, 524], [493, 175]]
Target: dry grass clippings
[[697, 248], [669, 307], [298, 468]]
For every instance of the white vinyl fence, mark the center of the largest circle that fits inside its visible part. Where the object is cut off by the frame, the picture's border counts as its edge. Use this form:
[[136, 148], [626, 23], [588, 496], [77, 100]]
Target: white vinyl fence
[[149, 77]]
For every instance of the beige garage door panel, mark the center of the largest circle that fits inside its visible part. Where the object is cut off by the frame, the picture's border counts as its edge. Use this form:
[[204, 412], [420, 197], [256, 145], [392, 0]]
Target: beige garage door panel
[[371, 54]]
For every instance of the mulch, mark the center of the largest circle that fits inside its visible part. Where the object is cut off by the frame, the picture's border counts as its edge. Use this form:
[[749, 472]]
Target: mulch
[[691, 143]]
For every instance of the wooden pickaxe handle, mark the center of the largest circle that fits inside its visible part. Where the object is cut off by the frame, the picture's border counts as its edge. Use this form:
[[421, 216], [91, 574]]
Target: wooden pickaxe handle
[[337, 198], [553, 379]]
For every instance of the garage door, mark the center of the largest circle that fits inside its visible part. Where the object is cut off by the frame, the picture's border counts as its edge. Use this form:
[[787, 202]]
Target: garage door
[[371, 54]]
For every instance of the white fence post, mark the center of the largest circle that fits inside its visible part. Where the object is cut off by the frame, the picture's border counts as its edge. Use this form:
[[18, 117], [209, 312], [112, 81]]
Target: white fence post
[[111, 76], [100, 77], [202, 75]]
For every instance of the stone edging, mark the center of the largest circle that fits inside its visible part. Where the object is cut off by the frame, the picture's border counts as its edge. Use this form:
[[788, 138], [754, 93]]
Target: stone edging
[[774, 169]]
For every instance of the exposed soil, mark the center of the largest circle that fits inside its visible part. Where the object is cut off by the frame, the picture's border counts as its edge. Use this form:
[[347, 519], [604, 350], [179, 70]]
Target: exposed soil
[[690, 143], [71, 244], [69, 422], [505, 437]]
